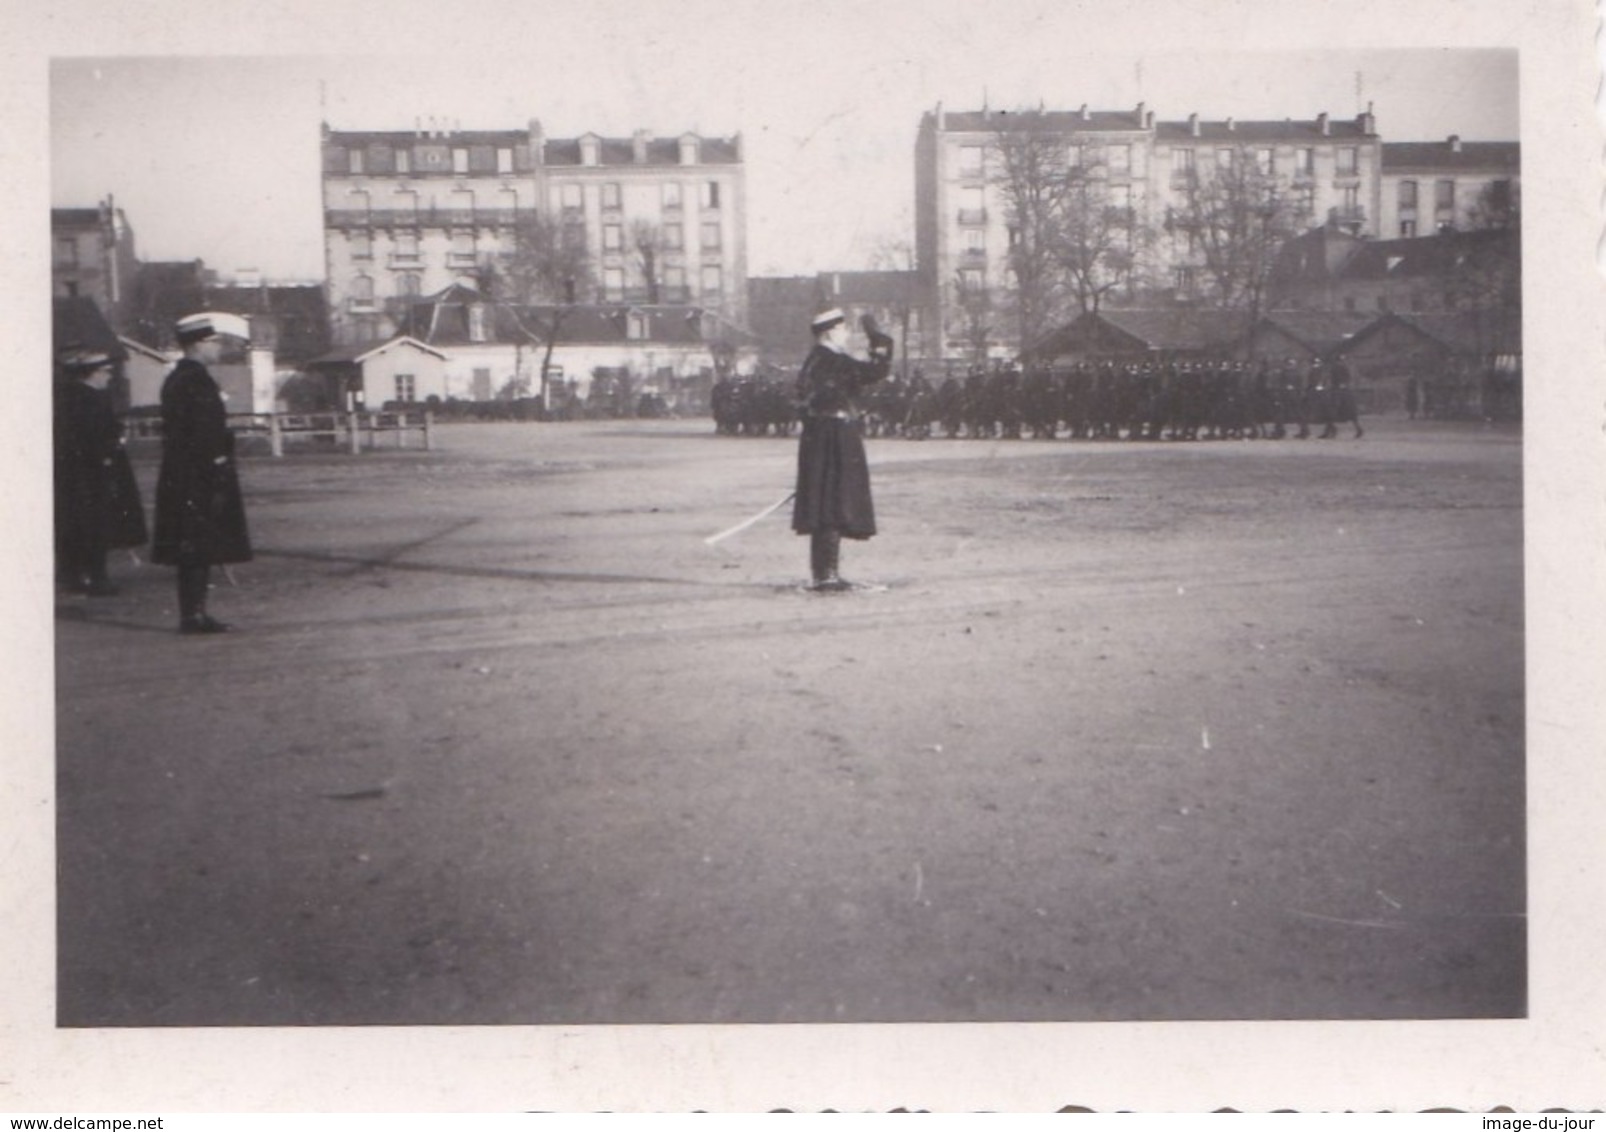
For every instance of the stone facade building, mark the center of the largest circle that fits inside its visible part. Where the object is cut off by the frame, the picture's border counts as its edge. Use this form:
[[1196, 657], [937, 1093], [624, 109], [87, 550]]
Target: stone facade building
[[411, 213]]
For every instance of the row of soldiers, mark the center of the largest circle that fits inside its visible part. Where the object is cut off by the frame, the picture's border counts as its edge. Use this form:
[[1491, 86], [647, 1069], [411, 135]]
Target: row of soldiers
[[1175, 400]]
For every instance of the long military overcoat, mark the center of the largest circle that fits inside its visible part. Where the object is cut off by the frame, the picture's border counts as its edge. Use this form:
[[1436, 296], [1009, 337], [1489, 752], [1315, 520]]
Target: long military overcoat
[[833, 476], [97, 499], [200, 515]]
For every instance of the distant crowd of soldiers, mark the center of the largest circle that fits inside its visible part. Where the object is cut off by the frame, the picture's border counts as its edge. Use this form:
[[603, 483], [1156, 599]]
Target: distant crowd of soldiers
[[1177, 400]]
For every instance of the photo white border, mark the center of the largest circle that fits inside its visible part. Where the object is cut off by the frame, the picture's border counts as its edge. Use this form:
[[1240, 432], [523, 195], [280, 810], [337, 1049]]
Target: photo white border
[[1554, 1059]]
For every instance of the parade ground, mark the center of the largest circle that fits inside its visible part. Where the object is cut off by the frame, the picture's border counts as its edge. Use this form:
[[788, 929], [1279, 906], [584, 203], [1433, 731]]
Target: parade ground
[[1115, 731]]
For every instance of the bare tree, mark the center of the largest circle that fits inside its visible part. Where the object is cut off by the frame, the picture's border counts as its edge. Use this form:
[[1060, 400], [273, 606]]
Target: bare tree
[[1236, 217], [647, 239], [897, 254], [540, 279], [1099, 239], [976, 307], [1032, 177]]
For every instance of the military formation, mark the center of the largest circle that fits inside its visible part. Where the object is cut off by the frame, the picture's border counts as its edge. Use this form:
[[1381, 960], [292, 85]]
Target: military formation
[[1182, 400]]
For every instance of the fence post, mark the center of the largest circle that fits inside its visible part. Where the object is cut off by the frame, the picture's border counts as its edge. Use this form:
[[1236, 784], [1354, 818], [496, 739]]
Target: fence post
[[352, 426], [429, 428], [275, 435]]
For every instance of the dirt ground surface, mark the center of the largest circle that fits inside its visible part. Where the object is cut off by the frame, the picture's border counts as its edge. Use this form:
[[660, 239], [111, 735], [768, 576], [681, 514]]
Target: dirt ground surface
[[1222, 730]]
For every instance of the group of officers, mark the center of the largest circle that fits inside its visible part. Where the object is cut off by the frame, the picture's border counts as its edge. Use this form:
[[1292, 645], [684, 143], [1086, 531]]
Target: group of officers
[[200, 514]]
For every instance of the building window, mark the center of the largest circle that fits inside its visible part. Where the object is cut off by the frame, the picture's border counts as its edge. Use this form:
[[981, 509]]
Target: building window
[[1263, 162], [359, 206], [1444, 196], [710, 194], [1224, 159], [610, 196], [972, 281], [462, 250], [355, 159], [481, 383], [711, 237], [362, 246], [612, 237], [405, 206], [476, 322], [1348, 158], [409, 284], [1304, 162], [1184, 280], [406, 244], [713, 281], [66, 251], [571, 197], [504, 161], [671, 196], [970, 160], [976, 241], [1073, 156], [1120, 160], [1407, 196], [613, 284], [674, 237], [1407, 229], [1182, 167], [1121, 197], [404, 161], [972, 205], [362, 293], [459, 161], [675, 284], [406, 388], [462, 206], [636, 326]]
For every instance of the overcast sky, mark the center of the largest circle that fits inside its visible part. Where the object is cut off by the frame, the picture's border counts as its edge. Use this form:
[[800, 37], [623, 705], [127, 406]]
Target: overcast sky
[[216, 157]]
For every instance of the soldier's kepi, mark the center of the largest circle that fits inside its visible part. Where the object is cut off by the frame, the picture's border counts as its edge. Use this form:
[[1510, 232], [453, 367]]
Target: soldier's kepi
[[833, 500]]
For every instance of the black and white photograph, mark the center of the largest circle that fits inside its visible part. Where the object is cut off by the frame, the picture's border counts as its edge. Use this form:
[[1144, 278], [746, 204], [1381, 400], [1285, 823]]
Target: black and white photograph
[[736, 557]]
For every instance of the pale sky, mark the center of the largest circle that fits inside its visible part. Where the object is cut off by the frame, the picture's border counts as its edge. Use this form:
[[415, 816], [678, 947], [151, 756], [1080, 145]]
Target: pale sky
[[216, 157]]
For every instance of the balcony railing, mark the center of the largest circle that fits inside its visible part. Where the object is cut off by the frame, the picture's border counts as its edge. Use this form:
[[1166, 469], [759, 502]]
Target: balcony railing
[[1347, 214], [432, 217], [362, 306], [972, 216]]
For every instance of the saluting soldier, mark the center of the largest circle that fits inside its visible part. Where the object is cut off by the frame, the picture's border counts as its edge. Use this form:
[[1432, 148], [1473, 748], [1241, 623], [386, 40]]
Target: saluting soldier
[[200, 515], [833, 475]]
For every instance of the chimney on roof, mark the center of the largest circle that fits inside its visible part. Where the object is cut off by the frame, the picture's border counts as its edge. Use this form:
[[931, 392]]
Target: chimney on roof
[[1455, 143], [638, 146], [1321, 124], [1148, 119], [942, 118], [1231, 126], [1193, 125], [1367, 121], [1083, 112], [1142, 107]]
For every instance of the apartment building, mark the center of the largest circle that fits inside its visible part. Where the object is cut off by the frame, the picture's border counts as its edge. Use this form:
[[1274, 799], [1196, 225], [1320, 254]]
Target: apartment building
[[963, 232], [1451, 185], [92, 257], [409, 214]]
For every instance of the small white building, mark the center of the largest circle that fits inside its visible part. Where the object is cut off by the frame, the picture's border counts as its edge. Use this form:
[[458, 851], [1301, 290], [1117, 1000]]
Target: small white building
[[402, 371]]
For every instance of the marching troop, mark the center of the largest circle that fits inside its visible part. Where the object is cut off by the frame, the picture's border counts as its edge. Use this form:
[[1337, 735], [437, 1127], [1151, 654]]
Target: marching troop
[[1177, 400]]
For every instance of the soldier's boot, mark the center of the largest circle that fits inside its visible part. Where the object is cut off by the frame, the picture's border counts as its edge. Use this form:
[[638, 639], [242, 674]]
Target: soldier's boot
[[825, 551], [192, 617]]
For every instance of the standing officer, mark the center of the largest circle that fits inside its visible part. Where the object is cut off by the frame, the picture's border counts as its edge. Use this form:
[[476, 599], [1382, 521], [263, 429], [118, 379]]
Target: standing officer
[[833, 476], [97, 500], [200, 516]]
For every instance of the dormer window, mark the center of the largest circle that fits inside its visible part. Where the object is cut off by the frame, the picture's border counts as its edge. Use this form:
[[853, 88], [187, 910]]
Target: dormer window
[[637, 325], [689, 147], [590, 150]]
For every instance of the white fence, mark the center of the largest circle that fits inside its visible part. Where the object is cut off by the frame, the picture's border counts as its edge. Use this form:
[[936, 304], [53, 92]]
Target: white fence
[[352, 428]]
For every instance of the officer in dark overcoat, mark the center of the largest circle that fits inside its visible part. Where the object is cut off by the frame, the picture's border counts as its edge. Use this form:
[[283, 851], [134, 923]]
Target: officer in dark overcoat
[[200, 515], [97, 500], [833, 476]]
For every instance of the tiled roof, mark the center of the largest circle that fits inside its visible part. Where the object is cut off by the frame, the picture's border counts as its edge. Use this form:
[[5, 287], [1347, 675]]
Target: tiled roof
[[1501, 156], [1321, 331], [398, 138], [1068, 121], [1162, 328], [1424, 255], [660, 151], [78, 323], [74, 217], [1249, 133]]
